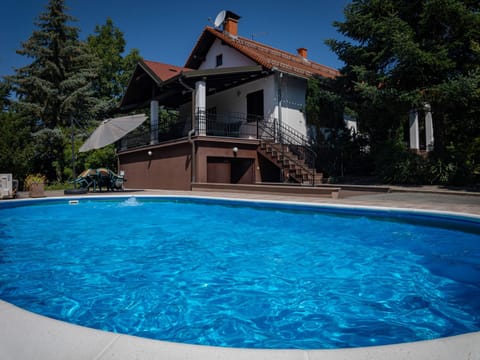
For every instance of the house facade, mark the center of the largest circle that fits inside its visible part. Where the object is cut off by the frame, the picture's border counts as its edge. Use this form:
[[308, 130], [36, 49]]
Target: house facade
[[232, 114]]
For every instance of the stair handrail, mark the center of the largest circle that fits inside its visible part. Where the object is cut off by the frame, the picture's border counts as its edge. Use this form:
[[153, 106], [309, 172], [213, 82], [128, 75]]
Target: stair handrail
[[287, 136]]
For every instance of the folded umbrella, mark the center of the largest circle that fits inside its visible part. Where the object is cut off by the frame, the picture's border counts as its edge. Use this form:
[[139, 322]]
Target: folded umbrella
[[111, 130]]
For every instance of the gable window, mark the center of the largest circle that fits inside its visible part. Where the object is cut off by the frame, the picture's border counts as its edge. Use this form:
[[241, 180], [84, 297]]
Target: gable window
[[219, 60]]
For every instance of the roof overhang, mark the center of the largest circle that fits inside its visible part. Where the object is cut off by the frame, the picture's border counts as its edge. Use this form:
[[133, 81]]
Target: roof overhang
[[146, 86]]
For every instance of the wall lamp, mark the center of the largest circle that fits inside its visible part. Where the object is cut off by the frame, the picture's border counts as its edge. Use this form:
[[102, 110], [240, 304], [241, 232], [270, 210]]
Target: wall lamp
[[235, 150], [149, 153]]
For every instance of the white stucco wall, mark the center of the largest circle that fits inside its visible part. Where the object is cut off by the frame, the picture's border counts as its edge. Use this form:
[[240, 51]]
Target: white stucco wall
[[231, 57], [293, 92], [235, 101]]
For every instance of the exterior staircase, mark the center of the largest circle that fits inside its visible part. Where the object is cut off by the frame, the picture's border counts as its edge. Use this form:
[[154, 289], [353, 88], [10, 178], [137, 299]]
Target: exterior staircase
[[289, 150], [292, 164]]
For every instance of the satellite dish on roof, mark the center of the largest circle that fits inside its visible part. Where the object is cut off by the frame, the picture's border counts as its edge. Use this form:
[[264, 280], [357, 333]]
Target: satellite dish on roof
[[220, 18]]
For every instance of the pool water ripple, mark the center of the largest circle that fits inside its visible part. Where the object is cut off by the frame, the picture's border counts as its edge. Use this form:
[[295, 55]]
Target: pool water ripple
[[240, 276]]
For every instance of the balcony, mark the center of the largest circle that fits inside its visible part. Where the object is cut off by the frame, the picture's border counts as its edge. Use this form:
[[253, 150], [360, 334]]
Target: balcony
[[171, 127]]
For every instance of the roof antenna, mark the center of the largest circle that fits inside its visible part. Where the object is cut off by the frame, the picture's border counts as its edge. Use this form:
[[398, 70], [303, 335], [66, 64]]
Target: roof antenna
[[253, 36]]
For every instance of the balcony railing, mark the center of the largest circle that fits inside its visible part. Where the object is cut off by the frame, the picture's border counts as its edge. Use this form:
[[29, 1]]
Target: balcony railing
[[233, 125], [226, 125], [174, 127]]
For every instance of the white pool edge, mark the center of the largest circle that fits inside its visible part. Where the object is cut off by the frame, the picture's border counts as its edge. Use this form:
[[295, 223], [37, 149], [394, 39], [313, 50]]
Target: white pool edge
[[25, 335], [239, 199]]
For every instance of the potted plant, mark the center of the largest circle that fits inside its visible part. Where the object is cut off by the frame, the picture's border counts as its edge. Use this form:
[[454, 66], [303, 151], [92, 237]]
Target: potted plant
[[35, 184]]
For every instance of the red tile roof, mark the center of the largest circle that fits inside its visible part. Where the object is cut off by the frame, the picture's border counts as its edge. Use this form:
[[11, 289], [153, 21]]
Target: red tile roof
[[264, 55], [164, 71]]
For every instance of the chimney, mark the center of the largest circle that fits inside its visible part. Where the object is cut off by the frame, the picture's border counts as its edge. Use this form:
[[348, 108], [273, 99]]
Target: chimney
[[230, 25], [302, 52]]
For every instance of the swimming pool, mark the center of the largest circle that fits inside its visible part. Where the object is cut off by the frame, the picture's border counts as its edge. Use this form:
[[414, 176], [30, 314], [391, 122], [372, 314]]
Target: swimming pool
[[270, 276]]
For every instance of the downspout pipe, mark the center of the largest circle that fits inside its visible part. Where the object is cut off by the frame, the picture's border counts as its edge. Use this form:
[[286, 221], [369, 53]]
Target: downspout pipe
[[191, 141], [191, 132]]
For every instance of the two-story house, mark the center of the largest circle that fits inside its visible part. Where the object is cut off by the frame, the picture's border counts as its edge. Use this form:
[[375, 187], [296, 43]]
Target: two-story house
[[234, 113]]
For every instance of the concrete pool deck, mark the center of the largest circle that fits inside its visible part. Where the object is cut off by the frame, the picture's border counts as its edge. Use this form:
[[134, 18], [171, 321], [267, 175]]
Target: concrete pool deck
[[24, 335]]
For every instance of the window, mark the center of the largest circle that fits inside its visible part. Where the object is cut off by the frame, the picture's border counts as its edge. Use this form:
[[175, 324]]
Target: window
[[219, 60]]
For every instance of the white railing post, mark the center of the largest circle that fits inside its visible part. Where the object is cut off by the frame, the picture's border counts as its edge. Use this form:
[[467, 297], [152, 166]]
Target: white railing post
[[428, 127], [201, 107], [414, 136]]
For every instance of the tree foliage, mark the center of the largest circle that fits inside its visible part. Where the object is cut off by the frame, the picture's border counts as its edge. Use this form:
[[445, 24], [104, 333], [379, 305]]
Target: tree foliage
[[56, 86], [401, 55], [16, 149], [67, 82], [108, 44], [114, 72], [57, 82], [4, 94]]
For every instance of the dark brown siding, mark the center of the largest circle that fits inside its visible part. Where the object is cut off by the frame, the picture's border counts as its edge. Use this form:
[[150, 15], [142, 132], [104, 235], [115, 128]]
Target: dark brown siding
[[169, 167]]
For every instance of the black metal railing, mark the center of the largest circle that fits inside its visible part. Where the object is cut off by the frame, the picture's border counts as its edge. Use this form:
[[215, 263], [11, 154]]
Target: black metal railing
[[171, 126], [225, 125], [289, 140]]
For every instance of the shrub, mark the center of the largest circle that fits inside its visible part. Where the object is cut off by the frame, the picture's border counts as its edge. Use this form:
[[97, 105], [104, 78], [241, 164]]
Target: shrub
[[395, 164], [34, 179]]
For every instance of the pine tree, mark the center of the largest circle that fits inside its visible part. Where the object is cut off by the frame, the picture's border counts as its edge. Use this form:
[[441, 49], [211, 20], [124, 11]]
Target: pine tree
[[400, 55], [4, 93], [56, 86]]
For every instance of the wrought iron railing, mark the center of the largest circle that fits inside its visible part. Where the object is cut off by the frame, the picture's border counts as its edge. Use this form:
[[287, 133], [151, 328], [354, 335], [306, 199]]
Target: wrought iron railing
[[225, 125], [238, 125], [170, 127], [289, 140]]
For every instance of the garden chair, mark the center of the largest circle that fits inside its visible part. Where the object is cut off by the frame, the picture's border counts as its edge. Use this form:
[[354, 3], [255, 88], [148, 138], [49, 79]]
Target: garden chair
[[103, 179], [117, 180], [86, 179], [110, 180]]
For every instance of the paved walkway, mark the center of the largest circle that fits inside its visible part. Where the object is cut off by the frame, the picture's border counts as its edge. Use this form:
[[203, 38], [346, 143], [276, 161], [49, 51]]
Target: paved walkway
[[424, 197]]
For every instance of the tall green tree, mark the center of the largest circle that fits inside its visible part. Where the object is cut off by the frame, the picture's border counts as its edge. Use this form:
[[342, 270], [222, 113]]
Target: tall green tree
[[4, 94], [56, 86], [401, 55], [16, 149], [108, 44], [115, 69], [15, 139]]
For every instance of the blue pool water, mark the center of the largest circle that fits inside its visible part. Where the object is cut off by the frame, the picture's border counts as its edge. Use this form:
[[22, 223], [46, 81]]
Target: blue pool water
[[230, 274]]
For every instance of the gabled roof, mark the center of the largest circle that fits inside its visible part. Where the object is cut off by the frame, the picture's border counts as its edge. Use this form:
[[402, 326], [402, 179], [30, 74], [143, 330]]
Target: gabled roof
[[168, 84], [162, 71], [264, 55]]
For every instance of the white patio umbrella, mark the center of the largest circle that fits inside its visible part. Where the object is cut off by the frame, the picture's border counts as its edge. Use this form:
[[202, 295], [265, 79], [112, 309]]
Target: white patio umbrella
[[111, 130]]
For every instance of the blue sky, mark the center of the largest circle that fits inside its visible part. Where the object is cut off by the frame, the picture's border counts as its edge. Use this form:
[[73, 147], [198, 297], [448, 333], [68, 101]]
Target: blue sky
[[166, 31]]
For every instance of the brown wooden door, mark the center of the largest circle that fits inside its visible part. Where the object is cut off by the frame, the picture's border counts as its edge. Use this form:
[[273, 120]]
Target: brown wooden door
[[219, 170]]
